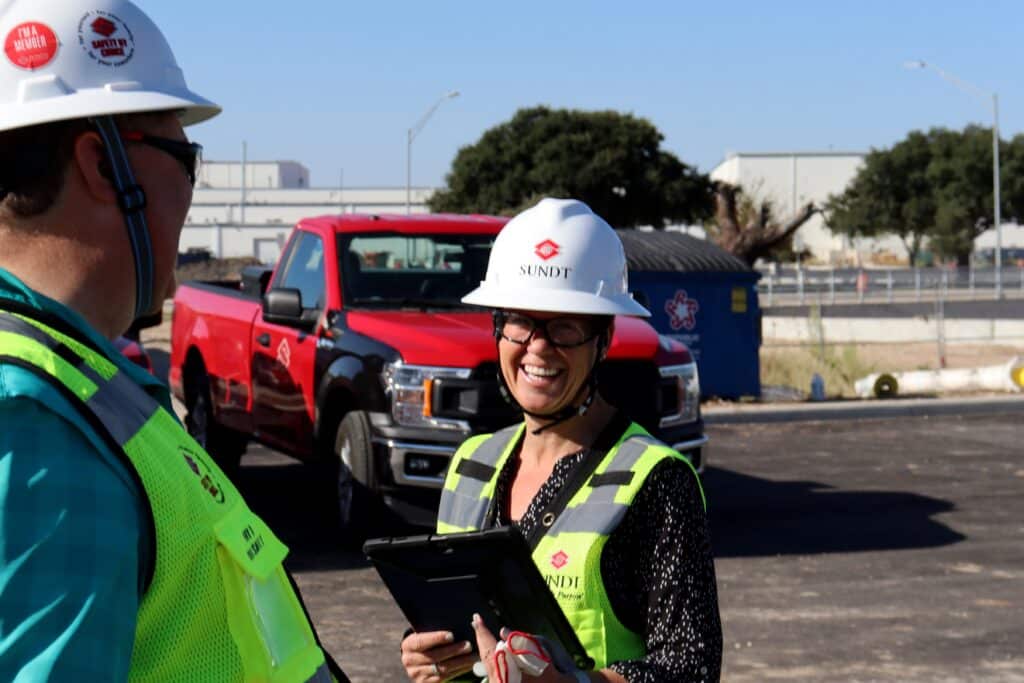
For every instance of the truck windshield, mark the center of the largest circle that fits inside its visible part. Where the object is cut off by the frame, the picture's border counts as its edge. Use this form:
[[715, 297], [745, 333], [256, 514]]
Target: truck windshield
[[391, 270]]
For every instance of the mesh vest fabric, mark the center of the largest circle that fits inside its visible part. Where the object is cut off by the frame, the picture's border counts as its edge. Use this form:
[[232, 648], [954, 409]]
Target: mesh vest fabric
[[219, 606], [568, 555]]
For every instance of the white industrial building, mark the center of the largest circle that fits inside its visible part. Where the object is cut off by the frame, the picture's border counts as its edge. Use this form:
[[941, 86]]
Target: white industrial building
[[258, 174], [230, 218], [792, 179]]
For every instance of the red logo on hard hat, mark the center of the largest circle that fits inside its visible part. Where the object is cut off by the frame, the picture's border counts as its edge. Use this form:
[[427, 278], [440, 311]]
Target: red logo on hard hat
[[559, 559], [31, 45], [106, 38], [546, 249], [104, 27], [682, 311]]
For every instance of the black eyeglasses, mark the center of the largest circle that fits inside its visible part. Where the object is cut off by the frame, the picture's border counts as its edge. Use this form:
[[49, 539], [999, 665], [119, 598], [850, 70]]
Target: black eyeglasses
[[188, 154], [562, 332]]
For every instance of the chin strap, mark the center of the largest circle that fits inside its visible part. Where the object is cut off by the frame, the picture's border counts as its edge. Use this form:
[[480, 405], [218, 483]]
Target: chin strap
[[132, 200], [570, 411]]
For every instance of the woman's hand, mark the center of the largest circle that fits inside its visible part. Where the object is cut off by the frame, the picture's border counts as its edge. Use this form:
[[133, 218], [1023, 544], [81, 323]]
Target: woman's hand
[[432, 656], [486, 644]]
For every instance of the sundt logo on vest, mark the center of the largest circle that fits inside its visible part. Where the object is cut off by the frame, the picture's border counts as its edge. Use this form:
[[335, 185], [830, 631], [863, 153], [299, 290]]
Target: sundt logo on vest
[[559, 559]]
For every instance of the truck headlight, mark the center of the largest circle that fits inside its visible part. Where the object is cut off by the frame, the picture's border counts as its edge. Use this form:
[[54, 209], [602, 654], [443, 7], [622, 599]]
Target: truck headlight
[[686, 382], [410, 388]]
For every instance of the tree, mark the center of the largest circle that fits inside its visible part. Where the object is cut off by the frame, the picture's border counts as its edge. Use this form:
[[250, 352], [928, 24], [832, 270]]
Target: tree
[[747, 228], [934, 186], [611, 161]]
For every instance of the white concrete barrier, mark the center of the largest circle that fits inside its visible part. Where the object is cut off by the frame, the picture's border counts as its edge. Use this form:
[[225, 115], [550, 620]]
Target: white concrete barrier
[[1006, 377]]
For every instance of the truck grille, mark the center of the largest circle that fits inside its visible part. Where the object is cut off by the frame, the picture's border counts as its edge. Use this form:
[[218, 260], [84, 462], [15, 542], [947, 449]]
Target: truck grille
[[635, 387]]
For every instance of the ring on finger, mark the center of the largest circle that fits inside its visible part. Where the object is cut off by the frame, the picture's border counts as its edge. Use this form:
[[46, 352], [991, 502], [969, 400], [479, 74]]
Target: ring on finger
[[435, 669]]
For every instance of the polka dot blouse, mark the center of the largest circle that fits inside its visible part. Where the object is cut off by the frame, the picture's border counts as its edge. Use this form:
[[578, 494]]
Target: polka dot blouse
[[657, 567]]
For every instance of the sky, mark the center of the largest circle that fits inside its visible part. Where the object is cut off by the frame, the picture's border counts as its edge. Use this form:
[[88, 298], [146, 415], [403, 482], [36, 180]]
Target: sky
[[335, 85]]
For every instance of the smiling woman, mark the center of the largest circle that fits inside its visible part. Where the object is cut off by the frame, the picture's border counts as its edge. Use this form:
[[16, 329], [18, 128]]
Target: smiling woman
[[615, 519]]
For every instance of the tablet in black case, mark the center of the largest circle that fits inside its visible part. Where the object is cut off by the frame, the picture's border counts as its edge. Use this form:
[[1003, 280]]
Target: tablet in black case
[[439, 581]]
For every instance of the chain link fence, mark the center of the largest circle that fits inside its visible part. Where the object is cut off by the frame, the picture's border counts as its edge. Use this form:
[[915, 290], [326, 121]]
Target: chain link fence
[[789, 285]]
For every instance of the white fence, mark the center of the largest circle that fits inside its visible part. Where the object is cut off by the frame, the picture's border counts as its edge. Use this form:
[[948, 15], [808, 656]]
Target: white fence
[[791, 285]]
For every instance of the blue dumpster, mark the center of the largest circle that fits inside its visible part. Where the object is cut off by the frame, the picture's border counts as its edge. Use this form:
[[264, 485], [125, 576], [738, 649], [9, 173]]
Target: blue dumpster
[[705, 297]]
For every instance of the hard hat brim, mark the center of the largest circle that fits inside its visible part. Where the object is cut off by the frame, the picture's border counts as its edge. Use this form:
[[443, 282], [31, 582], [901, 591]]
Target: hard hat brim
[[103, 102], [553, 301]]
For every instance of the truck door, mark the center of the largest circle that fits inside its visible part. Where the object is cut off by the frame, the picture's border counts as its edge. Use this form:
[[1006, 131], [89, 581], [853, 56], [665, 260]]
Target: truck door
[[284, 357]]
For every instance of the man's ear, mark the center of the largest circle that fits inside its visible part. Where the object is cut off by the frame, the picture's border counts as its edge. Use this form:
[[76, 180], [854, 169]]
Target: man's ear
[[90, 161]]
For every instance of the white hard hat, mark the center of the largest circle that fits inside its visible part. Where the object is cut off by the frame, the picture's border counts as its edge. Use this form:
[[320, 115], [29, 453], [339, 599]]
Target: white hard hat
[[557, 256], [71, 59]]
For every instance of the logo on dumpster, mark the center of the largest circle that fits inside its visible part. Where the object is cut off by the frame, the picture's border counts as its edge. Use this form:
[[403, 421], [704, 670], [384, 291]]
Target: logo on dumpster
[[682, 311], [547, 249]]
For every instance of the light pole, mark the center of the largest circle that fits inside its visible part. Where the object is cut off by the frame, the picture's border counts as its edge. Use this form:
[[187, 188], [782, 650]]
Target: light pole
[[983, 94], [411, 135]]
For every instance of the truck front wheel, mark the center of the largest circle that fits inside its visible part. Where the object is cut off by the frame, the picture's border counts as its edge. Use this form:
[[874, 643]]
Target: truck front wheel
[[357, 499], [224, 445]]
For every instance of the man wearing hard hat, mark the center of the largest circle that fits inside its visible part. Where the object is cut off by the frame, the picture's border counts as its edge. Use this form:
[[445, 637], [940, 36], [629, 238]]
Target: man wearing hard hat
[[125, 553]]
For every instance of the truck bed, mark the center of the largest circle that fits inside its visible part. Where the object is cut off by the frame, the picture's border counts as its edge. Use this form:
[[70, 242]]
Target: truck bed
[[216, 317]]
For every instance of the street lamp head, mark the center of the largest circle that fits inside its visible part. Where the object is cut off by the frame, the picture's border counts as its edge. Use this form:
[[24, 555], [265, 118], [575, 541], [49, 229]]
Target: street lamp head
[[452, 93], [915, 64]]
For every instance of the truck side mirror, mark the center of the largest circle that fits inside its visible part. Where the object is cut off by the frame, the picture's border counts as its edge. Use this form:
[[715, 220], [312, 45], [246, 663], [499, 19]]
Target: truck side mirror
[[283, 307]]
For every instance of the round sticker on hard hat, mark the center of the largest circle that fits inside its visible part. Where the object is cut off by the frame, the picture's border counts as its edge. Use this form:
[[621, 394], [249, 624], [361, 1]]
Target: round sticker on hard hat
[[31, 45], [106, 38]]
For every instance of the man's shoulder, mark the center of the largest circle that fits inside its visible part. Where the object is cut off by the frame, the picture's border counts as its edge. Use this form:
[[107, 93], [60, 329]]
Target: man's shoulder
[[41, 422]]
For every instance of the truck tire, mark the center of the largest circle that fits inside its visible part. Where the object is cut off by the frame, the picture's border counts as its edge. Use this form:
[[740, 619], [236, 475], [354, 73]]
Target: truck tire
[[358, 501], [225, 446]]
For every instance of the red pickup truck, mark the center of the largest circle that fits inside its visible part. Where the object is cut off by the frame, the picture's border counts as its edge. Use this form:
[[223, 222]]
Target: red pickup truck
[[357, 352]]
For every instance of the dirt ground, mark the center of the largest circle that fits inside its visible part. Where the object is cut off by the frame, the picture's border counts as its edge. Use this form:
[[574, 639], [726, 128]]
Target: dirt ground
[[786, 371], [921, 356], [846, 552]]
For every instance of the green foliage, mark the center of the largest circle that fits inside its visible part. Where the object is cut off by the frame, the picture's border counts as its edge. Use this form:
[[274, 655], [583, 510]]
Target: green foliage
[[611, 161], [934, 186]]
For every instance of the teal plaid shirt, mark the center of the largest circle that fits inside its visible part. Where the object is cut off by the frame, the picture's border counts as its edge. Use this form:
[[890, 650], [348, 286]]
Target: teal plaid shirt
[[73, 535]]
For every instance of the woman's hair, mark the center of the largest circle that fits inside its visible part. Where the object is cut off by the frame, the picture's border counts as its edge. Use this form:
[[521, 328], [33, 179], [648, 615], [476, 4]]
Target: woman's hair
[[34, 163]]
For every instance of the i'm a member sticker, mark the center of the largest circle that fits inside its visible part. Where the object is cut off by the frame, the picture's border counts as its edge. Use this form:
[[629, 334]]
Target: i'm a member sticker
[[31, 45]]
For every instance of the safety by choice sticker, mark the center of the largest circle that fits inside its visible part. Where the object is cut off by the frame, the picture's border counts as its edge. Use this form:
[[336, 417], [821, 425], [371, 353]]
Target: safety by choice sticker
[[31, 45]]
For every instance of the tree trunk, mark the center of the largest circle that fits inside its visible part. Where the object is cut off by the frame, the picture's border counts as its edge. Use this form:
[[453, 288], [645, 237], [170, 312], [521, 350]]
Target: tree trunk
[[756, 236]]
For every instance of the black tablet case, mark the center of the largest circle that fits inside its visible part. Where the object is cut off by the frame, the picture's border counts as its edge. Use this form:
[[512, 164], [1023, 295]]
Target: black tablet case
[[440, 581]]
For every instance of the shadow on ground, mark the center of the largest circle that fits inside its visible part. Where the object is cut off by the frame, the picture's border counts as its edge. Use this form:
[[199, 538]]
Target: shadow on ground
[[751, 516], [297, 501]]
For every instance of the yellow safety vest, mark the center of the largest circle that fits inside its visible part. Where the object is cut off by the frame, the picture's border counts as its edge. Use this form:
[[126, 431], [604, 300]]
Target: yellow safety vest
[[219, 605], [569, 553]]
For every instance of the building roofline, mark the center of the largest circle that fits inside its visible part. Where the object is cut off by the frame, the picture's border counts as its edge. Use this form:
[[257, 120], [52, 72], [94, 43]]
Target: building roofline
[[797, 153], [253, 161]]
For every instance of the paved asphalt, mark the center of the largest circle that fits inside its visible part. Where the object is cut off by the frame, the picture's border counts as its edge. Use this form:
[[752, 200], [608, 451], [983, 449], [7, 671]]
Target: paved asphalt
[[854, 550]]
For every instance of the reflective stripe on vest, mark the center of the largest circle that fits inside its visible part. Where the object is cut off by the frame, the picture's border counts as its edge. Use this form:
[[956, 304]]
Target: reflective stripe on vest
[[569, 553], [219, 606], [466, 498]]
